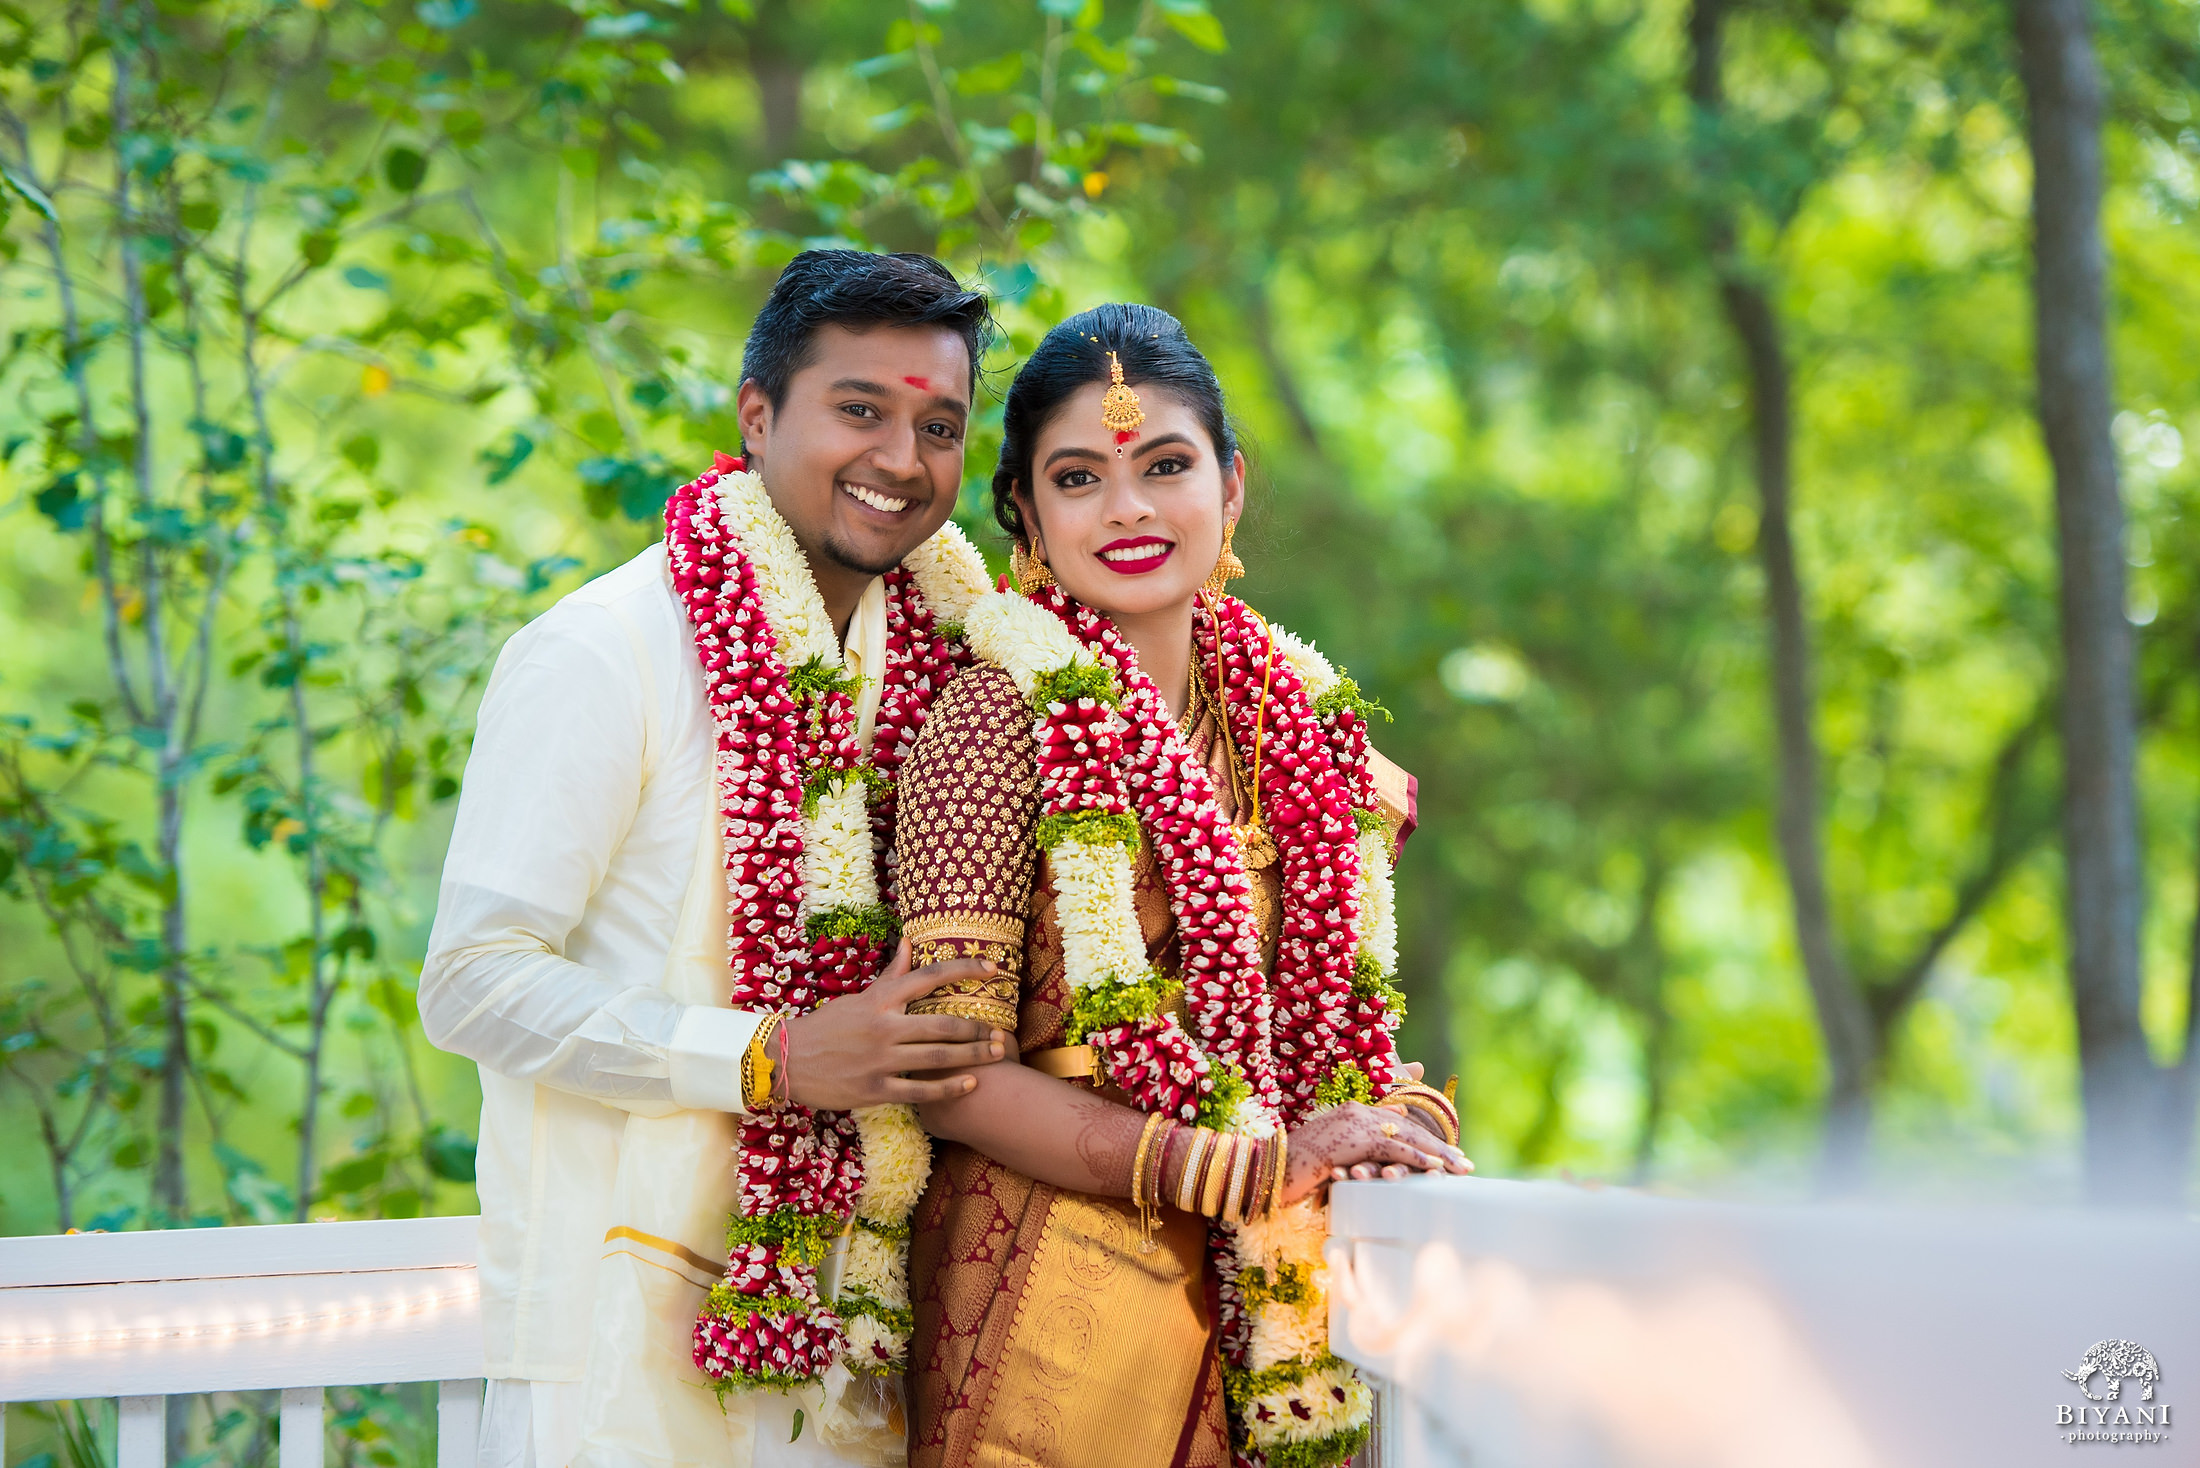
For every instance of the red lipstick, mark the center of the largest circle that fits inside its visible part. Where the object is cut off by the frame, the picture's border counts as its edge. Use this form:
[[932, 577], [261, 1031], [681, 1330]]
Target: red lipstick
[[1156, 550]]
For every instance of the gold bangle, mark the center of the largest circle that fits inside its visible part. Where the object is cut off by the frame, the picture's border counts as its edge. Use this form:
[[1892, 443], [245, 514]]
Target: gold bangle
[[1429, 1103], [1187, 1186], [1154, 1123], [1233, 1196], [1283, 1161], [756, 1067], [1218, 1174]]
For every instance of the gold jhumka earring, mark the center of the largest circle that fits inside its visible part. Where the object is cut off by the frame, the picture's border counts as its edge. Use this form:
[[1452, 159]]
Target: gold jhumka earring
[[1120, 413], [1228, 567], [1029, 571]]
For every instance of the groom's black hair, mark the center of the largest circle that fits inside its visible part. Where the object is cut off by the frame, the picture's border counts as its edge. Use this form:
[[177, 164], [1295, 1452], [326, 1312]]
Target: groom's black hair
[[1151, 345], [857, 289]]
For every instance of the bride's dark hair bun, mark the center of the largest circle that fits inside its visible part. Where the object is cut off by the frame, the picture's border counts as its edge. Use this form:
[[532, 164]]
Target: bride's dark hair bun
[[1154, 351]]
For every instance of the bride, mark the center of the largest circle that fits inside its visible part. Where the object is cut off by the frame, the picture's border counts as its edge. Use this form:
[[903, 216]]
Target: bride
[[1159, 819]]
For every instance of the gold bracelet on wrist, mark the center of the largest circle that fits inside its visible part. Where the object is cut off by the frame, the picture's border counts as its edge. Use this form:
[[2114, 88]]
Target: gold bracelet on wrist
[[1154, 1123], [1430, 1103], [756, 1067], [1233, 1195], [1283, 1163], [1187, 1186], [1218, 1174]]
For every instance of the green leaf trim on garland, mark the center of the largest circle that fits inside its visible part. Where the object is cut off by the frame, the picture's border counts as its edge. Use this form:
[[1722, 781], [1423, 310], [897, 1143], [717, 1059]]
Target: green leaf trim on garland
[[1080, 679], [802, 1238], [1346, 1083], [896, 1232], [818, 678], [823, 782], [1090, 827], [1345, 694], [1370, 982], [1117, 1002], [900, 1322], [875, 921], [1289, 1287], [1231, 1087]]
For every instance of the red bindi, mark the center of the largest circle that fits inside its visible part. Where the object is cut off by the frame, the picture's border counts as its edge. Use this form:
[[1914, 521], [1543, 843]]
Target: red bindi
[[921, 384]]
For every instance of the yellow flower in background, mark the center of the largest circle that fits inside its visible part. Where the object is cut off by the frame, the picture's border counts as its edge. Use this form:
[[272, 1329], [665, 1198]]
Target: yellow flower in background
[[1095, 183], [375, 380]]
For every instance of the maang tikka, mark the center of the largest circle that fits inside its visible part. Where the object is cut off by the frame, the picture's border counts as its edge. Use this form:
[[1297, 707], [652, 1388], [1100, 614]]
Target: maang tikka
[[1120, 413]]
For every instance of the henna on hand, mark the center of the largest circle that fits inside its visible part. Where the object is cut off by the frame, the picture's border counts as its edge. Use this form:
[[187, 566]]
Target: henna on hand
[[1346, 1139], [1107, 1143]]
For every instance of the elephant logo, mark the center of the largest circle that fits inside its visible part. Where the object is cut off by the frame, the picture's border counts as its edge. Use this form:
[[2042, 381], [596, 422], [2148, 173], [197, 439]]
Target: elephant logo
[[2113, 1361]]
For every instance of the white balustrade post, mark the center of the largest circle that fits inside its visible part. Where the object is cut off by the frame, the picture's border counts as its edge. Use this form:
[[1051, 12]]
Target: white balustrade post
[[141, 1433], [457, 1424], [301, 1432]]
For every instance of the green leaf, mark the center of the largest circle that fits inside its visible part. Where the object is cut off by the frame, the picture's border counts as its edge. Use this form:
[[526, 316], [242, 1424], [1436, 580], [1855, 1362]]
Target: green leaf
[[362, 451], [1197, 26], [504, 463], [31, 193], [60, 502], [362, 278], [403, 168], [620, 27], [356, 1174], [444, 14], [353, 940], [449, 1154], [797, 1425], [318, 247], [997, 75]]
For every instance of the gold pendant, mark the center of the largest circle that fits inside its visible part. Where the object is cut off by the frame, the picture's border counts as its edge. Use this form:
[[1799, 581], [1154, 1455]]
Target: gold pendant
[[1257, 846]]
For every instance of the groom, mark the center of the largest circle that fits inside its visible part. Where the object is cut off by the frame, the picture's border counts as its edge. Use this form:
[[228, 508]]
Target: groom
[[584, 858]]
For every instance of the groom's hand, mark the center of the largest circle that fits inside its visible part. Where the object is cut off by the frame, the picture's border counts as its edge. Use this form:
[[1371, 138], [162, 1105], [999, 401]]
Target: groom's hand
[[856, 1050]]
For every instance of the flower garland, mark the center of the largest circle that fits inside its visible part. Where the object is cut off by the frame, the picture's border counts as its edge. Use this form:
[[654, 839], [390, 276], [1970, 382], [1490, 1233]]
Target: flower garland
[[1113, 769], [803, 868]]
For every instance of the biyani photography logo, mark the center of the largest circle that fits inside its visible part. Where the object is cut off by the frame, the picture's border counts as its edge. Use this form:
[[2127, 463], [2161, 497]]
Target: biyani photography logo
[[2105, 1417]]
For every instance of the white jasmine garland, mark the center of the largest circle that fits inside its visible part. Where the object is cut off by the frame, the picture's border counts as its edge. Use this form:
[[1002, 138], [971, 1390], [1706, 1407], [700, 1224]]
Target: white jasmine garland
[[1027, 641], [1316, 671], [897, 1162], [837, 865], [1326, 1416], [1094, 902], [875, 1269], [1289, 1332], [792, 602], [1377, 925], [949, 572]]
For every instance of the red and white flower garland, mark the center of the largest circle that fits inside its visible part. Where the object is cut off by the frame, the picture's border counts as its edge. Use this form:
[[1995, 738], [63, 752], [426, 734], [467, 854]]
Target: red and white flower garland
[[803, 868], [1113, 766]]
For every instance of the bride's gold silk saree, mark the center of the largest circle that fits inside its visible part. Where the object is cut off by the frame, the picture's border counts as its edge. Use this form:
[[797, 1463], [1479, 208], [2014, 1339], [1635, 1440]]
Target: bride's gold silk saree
[[1042, 1335]]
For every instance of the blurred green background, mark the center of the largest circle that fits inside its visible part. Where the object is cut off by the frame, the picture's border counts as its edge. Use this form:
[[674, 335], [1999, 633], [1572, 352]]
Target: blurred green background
[[342, 336]]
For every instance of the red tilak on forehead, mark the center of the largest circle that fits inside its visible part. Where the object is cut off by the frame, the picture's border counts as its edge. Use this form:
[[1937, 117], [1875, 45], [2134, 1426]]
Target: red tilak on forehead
[[921, 384]]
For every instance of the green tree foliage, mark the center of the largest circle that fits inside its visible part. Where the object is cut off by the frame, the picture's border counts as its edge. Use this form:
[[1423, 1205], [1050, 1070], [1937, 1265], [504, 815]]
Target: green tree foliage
[[340, 337]]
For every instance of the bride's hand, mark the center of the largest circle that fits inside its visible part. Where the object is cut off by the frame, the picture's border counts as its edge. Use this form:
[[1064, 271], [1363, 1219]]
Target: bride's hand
[[1358, 1141]]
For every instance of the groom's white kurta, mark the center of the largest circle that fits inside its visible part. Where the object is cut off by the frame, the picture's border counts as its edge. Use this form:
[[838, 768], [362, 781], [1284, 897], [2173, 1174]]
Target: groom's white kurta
[[578, 956]]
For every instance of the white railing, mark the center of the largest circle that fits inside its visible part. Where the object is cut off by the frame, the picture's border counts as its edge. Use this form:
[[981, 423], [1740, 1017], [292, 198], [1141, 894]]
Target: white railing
[[1532, 1325], [302, 1307], [1507, 1325]]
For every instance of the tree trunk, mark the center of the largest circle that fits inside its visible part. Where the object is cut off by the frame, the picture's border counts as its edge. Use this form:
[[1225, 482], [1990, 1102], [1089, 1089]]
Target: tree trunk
[[1850, 1051], [778, 72], [2122, 1089]]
